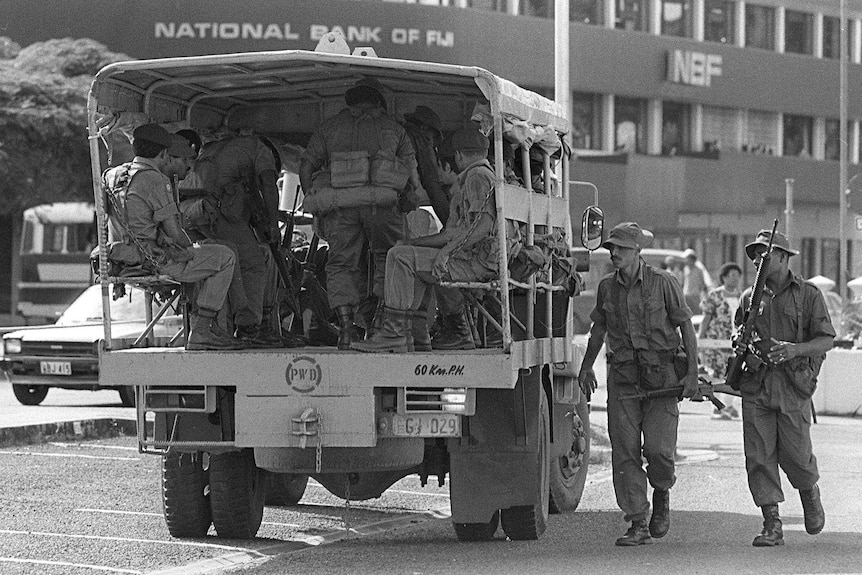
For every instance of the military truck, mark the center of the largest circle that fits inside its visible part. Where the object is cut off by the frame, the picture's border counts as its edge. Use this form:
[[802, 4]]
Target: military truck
[[506, 425]]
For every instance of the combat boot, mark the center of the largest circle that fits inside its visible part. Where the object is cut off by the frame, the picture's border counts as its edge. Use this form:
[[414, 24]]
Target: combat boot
[[204, 335], [392, 335], [258, 336], [815, 517], [348, 332], [772, 533], [455, 333], [638, 534], [419, 331], [493, 337], [659, 523]]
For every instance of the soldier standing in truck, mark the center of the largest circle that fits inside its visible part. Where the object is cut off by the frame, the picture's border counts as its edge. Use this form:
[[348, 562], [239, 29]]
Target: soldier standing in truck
[[640, 312]]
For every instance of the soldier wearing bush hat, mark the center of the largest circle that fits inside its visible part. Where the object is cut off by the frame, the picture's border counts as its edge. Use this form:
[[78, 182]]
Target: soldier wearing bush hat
[[641, 316]]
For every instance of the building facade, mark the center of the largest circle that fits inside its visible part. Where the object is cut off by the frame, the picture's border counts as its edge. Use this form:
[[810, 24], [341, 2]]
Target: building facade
[[689, 115]]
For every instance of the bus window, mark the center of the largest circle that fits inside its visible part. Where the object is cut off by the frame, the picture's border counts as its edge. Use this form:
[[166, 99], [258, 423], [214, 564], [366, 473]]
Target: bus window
[[27, 239]]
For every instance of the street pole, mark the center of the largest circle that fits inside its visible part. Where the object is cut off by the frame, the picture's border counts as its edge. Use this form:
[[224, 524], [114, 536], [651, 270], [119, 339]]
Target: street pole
[[788, 211], [561, 55], [842, 161]]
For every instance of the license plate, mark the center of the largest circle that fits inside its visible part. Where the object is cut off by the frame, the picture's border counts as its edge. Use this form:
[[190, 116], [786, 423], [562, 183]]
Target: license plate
[[55, 367], [427, 425]]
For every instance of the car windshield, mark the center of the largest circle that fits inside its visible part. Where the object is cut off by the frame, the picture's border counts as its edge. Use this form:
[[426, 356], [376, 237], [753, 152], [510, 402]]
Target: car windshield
[[87, 308]]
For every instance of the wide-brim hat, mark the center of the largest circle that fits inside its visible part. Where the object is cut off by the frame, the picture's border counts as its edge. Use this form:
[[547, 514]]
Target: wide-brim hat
[[628, 235], [365, 90], [427, 116], [781, 242]]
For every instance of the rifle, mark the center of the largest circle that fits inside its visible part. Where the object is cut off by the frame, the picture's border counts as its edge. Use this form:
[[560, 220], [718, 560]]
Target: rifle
[[318, 300], [705, 391], [742, 357]]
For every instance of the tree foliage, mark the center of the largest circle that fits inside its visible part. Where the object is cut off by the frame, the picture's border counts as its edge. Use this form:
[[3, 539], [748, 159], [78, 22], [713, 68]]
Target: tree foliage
[[44, 153]]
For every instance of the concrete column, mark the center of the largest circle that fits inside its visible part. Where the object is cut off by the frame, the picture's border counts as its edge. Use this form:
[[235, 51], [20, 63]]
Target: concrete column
[[856, 40], [779, 145], [779, 28], [608, 135], [739, 21], [610, 14], [696, 122], [653, 127], [698, 11], [818, 35], [655, 17], [853, 142], [818, 139]]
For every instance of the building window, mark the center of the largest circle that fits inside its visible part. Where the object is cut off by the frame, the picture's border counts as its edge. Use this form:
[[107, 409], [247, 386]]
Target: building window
[[760, 131], [538, 8], [718, 21], [797, 135], [807, 257], [630, 124], [495, 5], [832, 139], [583, 11], [798, 32], [676, 18], [829, 258], [759, 27], [585, 121], [632, 15], [674, 128], [720, 128], [832, 38]]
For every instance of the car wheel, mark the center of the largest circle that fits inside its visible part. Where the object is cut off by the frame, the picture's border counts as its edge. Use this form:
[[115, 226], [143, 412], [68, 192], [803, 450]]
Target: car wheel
[[185, 494], [237, 494], [30, 394], [127, 395]]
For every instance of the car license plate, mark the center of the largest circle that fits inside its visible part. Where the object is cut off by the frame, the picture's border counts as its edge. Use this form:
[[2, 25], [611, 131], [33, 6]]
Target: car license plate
[[56, 367], [427, 425]]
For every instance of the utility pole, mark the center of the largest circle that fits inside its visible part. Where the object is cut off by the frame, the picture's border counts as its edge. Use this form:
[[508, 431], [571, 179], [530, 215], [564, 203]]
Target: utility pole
[[562, 93], [842, 162]]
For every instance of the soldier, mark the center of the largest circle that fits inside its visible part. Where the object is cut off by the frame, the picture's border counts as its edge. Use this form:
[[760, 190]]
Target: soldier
[[639, 314], [466, 249], [794, 332], [365, 157]]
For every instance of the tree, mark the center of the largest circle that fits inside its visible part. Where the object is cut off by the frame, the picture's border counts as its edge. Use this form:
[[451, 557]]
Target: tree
[[44, 153]]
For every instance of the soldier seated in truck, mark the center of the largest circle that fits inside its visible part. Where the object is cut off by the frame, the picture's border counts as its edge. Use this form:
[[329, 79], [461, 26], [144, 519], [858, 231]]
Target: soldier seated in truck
[[465, 250]]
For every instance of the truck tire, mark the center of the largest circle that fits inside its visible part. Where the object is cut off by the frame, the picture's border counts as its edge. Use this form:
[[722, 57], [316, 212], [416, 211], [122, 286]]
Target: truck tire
[[569, 469], [285, 489], [237, 494], [29, 394], [477, 531], [528, 522], [127, 395], [185, 494]]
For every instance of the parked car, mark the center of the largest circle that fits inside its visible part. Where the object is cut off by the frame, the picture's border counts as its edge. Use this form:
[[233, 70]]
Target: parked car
[[66, 354]]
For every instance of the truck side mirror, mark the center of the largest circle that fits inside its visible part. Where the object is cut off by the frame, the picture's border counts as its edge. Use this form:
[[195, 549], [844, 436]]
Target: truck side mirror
[[592, 226]]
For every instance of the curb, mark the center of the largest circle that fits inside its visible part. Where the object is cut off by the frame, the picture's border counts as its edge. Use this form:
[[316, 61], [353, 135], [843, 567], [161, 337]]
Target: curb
[[66, 430]]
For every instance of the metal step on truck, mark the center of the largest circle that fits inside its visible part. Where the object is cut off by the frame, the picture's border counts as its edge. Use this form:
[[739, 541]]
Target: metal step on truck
[[507, 425]]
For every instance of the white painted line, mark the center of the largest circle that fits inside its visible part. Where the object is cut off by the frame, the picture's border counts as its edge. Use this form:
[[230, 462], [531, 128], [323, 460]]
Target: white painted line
[[64, 564], [79, 456], [92, 446], [122, 539], [119, 512]]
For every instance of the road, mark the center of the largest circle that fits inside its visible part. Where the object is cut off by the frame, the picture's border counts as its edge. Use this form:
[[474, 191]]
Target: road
[[93, 506]]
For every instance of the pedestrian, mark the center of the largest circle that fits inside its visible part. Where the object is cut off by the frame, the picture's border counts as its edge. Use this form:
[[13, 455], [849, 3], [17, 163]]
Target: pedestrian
[[146, 222], [466, 250], [642, 318], [363, 159], [719, 308], [794, 332], [695, 282], [672, 264]]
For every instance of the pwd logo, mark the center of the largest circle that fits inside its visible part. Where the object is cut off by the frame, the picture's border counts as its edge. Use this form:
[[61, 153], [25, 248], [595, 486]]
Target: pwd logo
[[303, 374]]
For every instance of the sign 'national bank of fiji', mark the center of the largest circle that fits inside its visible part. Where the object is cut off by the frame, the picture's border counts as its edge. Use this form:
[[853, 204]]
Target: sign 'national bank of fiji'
[[692, 68]]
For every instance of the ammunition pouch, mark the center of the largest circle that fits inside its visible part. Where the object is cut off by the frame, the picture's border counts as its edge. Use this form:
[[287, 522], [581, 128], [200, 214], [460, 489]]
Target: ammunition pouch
[[349, 169], [801, 375], [198, 213]]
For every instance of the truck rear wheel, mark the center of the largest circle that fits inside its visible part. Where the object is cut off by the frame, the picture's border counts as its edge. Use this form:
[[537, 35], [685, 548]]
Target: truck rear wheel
[[477, 531], [185, 494], [569, 469], [237, 493], [527, 522], [285, 489], [29, 394]]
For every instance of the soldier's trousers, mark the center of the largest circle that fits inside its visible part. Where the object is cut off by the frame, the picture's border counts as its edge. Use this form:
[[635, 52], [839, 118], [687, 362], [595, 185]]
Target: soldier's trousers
[[640, 429], [777, 436], [347, 230], [212, 265]]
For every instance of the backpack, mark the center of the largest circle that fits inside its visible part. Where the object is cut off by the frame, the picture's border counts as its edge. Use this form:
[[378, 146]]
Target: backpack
[[115, 183]]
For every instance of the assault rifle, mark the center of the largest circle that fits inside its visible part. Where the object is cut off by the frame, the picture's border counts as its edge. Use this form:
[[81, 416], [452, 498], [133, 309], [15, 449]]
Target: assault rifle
[[706, 390], [741, 356]]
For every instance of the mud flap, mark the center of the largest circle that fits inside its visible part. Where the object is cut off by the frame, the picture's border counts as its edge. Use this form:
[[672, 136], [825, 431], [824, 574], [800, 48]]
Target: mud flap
[[493, 465]]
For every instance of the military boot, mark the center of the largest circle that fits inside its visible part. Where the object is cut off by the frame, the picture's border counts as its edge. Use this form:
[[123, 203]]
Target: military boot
[[392, 335], [205, 335], [493, 337], [348, 332], [455, 333], [772, 533], [638, 534], [659, 523], [259, 336], [815, 517], [419, 331]]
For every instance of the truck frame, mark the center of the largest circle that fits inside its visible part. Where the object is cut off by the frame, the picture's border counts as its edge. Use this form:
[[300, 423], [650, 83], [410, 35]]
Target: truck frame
[[508, 426]]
